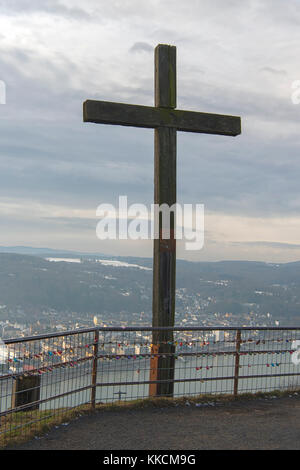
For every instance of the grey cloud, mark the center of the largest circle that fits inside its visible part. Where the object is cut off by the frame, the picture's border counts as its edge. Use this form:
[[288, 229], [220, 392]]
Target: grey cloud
[[49, 155], [74, 223], [27, 93], [141, 47], [284, 246], [53, 7], [273, 71]]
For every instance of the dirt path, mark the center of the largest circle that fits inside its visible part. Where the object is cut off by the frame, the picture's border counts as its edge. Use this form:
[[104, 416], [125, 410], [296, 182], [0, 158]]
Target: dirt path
[[253, 424]]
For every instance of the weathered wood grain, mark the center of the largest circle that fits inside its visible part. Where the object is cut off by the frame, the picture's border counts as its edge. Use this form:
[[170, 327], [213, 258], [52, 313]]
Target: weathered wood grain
[[164, 250], [164, 253], [165, 76], [106, 112]]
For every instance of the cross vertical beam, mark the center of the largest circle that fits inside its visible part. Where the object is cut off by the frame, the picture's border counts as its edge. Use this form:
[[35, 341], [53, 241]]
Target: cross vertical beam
[[166, 121], [164, 258]]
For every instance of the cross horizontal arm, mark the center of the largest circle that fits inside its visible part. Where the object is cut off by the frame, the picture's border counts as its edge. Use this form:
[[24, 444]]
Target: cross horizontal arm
[[105, 112]]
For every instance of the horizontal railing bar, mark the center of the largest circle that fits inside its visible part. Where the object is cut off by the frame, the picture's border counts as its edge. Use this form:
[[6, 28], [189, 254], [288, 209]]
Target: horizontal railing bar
[[142, 355], [55, 397], [59, 365], [44, 400], [149, 328], [145, 382], [149, 355], [28, 423], [24, 339], [198, 379]]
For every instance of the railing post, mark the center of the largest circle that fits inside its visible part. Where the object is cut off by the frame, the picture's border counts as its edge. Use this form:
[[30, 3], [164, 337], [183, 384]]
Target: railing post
[[162, 364], [237, 362], [94, 370]]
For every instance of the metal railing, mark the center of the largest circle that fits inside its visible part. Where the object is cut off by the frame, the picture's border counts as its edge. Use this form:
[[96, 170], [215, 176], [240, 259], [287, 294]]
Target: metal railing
[[43, 378]]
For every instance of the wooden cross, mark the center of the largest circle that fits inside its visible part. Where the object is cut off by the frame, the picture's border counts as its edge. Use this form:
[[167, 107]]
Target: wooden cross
[[166, 121]]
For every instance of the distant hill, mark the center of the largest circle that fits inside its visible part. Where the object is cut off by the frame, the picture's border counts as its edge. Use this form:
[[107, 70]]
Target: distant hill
[[33, 282], [29, 250], [125, 284]]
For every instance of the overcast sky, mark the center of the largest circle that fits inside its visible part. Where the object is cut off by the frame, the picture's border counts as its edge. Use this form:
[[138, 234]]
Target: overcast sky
[[234, 57]]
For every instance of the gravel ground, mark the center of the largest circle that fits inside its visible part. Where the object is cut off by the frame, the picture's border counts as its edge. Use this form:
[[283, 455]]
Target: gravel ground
[[254, 424]]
